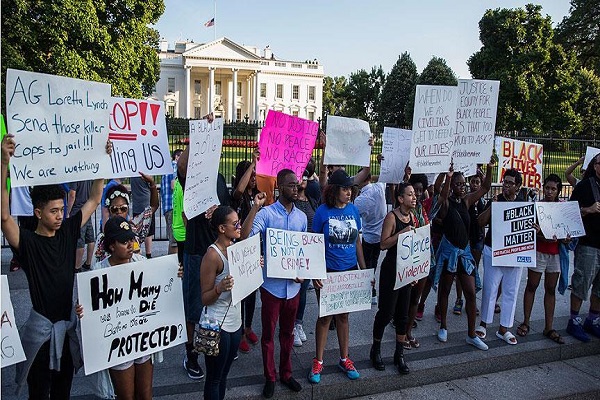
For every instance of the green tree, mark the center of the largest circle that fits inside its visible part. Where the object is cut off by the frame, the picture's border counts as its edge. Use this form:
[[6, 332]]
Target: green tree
[[397, 91], [588, 102], [334, 91], [579, 31], [363, 94], [106, 41]]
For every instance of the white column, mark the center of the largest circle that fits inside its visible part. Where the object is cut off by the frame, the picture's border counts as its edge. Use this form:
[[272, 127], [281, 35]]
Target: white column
[[227, 105], [211, 89], [249, 97], [188, 72], [234, 96], [256, 84]]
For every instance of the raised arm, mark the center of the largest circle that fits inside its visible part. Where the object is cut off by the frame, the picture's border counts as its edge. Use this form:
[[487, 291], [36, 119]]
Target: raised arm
[[445, 194], [9, 226], [569, 172], [243, 182], [95, 194], [70, 201], [485, 187], [259, 201]]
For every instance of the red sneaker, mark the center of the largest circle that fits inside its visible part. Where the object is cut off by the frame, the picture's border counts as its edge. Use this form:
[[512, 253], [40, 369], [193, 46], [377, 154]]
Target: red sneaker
[[252, 338], [244, 346]]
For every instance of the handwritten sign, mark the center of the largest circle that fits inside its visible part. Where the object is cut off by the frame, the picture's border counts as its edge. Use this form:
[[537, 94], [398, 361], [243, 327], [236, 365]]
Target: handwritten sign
[[434, 124], [244, 267], [590, 152], [60, 126], [476, 108], [413, 256], [285, 142], [11, 350], [138, 130], [513, 241], [559, 218], [130, 310], [344, 292], [523, 156], [347, 142], [292, 254], [396, 153], [206, 141]]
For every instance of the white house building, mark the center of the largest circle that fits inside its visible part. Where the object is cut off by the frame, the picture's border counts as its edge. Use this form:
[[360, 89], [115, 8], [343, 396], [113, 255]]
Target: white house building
[[236, 81]]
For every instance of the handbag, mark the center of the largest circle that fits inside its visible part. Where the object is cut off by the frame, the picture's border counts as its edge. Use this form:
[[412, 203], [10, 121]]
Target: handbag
[[207, 337]]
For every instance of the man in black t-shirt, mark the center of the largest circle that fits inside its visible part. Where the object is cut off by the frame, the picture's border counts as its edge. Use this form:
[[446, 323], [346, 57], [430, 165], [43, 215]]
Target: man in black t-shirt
[[47, 256]]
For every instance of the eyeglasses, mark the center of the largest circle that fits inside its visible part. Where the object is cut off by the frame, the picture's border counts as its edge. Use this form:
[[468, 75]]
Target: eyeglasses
[[236, 224], [117, 209], [508, 183]]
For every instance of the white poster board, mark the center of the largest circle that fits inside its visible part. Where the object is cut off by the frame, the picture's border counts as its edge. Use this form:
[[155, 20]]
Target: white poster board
[[344, 292], [347, 142], [513, 241], [590, 152], [130, 310], [60, 126], [434, 124], [396, 153], [244, 267], [206, 141], [559, 218], [525, 157], [138, 130], [11, 350], [292, 254], [475, 121], [413, 256]]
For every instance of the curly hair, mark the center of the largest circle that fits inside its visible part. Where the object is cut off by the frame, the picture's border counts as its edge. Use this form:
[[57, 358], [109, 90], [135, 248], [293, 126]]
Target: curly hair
[[41, 195], [330, 194]]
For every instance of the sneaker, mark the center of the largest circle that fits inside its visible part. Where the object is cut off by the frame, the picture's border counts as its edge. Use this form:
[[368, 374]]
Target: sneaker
[[592, 327], [575, 329], [457, 310], [297, 340], [244, 346], [374, 300], [192, 368], [419, 316], [314, 376], [348, 367], [301, 333], [477, 342], [442, 335], [252, 338], [438, 315]]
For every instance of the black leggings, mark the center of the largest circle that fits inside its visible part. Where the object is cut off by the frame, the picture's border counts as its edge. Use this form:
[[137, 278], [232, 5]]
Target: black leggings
[[392, 303], [248, 307]]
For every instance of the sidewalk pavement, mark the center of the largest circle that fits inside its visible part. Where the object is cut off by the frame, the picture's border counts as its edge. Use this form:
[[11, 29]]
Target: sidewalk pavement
[[444, 368]]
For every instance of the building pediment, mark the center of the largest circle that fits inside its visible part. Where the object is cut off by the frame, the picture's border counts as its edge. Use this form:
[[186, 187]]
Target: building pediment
[[221, 49]]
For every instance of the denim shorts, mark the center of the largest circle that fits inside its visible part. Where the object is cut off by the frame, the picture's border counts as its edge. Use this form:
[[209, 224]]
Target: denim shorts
[[587, 272], [192, 295]]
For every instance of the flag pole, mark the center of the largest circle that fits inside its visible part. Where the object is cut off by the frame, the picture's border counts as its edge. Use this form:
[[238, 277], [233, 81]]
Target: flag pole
[[215, 24]]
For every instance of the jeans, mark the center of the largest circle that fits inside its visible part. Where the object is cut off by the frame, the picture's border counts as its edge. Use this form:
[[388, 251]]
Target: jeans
[[44, 383], [218, 367], [302, 302]]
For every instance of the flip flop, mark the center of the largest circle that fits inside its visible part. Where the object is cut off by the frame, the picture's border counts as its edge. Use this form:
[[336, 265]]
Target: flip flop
[[507, 337], [523, 330], [481, 332]]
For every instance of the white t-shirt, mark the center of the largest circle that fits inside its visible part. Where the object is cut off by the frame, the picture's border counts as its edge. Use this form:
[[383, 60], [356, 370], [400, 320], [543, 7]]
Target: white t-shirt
[[371, 205]]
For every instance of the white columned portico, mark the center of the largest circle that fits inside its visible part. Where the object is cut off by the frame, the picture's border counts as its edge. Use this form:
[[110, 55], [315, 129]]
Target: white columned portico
[[249, 96], [188, 101], [256, 113], [211, 89], [234, 96]]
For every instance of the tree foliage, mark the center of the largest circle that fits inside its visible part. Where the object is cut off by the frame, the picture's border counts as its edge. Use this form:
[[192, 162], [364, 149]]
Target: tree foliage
[[397, 92], [580, 31], [334, 92], [107, 41], [363, 94]]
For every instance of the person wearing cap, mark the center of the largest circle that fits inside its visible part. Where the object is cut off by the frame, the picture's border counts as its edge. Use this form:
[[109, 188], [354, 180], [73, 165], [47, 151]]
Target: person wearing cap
[[339, 220]]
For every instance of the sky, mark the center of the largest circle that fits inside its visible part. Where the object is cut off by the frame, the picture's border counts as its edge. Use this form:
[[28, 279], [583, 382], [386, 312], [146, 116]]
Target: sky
[[345, 35]]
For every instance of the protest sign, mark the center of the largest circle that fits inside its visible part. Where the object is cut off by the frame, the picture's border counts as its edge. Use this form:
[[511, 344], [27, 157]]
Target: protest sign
[[523, 156], [244, 267], [513, 241], [292, 254], [559, 218], [60, 126], [475, 121], [11, 350], [130, 310], [347, 142], [590, 153], [395, 152], [434, 124], [138, 130], [413, 256], [206, 141], [344, 292], [285, 142]]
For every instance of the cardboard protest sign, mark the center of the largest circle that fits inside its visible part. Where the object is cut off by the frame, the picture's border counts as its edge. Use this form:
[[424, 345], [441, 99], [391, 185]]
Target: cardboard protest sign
[[590, 152], [11, 350], [475, 121], [291, 254], [285, 142], [395, 152], [525, 157], [60, 126], [413, 256], [206, 141], [513, 241], [130, 310], [344, 292], [559, 218], [347, 142], [138, 130], [434, 125], [244, 267]]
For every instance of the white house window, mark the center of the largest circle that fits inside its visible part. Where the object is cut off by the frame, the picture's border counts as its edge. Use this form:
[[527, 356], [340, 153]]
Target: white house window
[[171, 110], [279, 91], [197, 113], [238, 114], [311, 92], [311, 115], [239, 89], [218, 88], [197, 86], [263, 90], [295, 92], [295, 113], [171, 85]]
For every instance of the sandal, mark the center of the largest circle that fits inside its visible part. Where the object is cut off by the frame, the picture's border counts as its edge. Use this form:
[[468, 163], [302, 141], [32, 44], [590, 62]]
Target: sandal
[[508, 337], [406, 345], [523, 330], [553, 335], [414, 342], [481, 332]]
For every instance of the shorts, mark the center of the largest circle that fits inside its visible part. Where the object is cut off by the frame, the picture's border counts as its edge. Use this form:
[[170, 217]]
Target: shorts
[[86, 235], [169, 223], [546, 263], [587, 272], [152, 228], [126, 365], [192, 296]]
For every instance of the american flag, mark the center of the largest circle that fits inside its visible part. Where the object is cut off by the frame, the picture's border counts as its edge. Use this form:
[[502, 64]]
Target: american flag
[[209, 23]]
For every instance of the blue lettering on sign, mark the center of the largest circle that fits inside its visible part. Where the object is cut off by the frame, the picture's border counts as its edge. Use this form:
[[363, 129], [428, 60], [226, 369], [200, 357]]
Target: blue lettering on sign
[[523, 259]]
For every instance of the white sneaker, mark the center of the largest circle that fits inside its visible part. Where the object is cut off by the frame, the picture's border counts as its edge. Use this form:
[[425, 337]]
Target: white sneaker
[[300, 332], [374, 300], [297, 341]]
